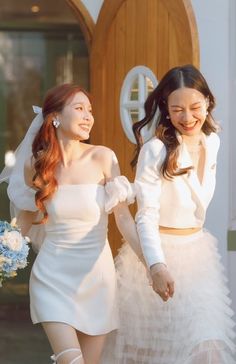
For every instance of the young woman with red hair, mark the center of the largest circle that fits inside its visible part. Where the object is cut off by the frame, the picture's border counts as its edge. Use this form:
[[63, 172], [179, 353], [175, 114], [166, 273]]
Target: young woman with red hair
[[67, 188]]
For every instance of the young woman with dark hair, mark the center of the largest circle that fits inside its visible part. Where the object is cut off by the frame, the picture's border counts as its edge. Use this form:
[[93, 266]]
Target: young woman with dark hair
[[190, 320], [67, 188]]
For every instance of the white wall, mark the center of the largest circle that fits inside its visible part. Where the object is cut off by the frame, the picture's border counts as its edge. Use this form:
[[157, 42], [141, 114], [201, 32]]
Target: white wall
[[213, 22], [93, 6], [232, 140], [213, 26], [232, 125]]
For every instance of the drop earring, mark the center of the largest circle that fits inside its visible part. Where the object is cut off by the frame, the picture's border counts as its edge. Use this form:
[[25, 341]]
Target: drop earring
[[56, 123], [168, 117]]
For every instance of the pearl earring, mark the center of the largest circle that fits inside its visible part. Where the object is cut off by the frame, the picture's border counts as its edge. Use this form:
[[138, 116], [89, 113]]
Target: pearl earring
[[56, 123], [167, 116]]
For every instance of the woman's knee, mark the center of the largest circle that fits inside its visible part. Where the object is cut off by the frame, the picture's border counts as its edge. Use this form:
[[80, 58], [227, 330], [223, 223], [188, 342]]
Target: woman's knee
[[68, 356], [64, 343]]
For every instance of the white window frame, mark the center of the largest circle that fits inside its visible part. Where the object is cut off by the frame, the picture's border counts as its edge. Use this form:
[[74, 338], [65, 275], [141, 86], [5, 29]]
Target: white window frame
[[126, 104]]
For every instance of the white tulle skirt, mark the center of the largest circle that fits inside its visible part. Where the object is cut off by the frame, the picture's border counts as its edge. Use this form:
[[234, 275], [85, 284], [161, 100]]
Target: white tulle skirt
[[194, 327]]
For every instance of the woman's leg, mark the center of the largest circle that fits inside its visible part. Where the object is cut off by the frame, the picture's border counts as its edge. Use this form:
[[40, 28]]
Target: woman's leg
[[64, 343], [91, 347], [210, 352]]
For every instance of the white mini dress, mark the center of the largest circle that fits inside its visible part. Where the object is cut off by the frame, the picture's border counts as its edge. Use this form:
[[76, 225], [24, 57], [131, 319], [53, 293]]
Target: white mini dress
[[73, 279]]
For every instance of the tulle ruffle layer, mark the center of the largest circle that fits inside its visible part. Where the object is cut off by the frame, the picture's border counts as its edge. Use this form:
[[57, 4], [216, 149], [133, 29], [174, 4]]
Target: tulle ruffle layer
[[195, 327]]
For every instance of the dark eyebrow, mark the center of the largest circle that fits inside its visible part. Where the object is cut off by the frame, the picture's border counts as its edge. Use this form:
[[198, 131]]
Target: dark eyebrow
[[80, 103], [175, 106], [194, 104]]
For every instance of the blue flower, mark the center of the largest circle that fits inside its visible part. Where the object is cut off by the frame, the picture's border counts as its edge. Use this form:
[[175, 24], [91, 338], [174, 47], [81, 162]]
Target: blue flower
[[14, 250]]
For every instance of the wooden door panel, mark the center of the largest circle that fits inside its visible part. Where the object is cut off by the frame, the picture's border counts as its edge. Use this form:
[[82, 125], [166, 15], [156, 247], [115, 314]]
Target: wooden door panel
[[156, 33]]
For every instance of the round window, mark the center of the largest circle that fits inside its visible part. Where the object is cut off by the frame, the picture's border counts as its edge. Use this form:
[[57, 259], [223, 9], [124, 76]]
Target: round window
[[138, 84]]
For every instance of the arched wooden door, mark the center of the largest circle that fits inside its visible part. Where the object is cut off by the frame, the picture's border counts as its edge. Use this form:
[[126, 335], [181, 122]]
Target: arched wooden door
[[159, 34]]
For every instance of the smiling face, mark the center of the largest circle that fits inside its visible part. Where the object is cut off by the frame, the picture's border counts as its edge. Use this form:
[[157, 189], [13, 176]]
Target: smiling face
[[76, 118], [187, 109]]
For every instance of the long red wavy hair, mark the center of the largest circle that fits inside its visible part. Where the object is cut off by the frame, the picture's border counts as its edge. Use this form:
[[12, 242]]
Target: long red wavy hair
[[45, 147]]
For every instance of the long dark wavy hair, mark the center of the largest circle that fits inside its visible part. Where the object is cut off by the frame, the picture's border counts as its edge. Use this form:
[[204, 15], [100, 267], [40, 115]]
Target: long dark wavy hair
[[45, 147], [177, 77]]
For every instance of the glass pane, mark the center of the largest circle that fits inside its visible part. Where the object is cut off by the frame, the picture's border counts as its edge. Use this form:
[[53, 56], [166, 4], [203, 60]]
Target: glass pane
[[30, 63], [134, 114], [37, 51], [134, 90], [34, 13], [149, 86]]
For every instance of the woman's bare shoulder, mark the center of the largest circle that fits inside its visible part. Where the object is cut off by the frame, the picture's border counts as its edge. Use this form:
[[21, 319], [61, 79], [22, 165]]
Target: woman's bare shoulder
[[101, 152], [107, 160]]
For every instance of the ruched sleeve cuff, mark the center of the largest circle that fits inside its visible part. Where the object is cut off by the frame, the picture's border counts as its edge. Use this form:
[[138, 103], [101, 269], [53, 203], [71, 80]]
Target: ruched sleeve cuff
[[118, 190]]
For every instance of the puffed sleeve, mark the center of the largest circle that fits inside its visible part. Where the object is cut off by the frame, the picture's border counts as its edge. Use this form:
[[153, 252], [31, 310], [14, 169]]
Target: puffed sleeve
[[118, 190], [21, 195], [148, 191]]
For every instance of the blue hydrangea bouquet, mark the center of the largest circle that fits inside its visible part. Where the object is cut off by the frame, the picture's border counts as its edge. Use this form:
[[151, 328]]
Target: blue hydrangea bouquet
[[14, 250]]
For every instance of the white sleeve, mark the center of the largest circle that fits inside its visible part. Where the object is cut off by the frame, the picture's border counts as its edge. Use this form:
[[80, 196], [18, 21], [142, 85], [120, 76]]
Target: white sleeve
[[148, 191], [21, 195], [118, 190]]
